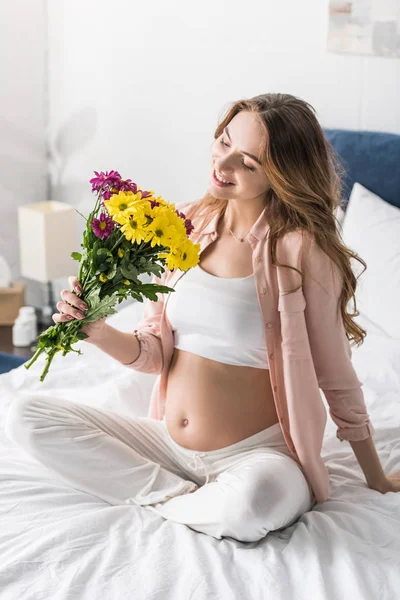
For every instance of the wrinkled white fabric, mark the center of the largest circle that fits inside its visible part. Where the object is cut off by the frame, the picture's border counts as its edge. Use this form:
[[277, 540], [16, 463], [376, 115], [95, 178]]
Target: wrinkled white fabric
[[244, 490]]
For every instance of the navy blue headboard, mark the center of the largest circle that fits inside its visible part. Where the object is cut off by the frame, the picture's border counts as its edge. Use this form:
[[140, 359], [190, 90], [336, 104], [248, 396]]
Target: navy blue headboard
[[370, 157]]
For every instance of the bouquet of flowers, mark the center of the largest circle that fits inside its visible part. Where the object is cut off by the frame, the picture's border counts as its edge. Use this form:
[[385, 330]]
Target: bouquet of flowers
[[128, 233]]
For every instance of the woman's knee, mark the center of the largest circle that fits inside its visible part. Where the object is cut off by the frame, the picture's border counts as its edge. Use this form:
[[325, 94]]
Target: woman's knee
[[263, 500], [240, 516], [18, 422], [285, 495]]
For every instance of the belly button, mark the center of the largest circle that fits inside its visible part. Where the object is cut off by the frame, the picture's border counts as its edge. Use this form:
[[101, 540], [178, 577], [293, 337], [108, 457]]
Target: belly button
[[185, 422]]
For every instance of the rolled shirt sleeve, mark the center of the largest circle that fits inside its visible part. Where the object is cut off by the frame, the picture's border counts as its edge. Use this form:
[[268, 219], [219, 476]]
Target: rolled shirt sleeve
[[330, 346], [148, 333]]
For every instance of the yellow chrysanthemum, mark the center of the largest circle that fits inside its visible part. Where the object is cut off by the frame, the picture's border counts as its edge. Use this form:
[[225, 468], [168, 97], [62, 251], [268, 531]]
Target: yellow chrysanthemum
[[166, 228], [160, 231], [121, 253], [182, 257], [162, 202], [103, 277], [121, 201], [127, 282], [60, 347], [138, 211], [133, 226]]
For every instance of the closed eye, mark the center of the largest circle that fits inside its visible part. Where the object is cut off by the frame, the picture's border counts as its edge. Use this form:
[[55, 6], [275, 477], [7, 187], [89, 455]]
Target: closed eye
[[243, 163]]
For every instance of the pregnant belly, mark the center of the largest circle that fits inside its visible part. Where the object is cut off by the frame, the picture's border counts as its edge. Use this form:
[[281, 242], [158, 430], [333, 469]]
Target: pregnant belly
[[211, 405]]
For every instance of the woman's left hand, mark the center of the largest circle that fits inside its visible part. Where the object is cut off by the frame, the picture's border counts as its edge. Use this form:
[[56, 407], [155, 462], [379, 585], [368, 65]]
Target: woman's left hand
[[391, 483]]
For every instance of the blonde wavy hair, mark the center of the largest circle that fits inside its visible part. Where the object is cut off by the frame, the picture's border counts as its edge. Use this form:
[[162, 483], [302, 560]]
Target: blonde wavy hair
[[305, 175]]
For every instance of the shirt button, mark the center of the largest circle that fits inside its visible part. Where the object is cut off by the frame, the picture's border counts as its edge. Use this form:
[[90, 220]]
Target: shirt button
[[275, 388], [269, 324], [281, 419], [258, 258], [271, 355], [263, 290]]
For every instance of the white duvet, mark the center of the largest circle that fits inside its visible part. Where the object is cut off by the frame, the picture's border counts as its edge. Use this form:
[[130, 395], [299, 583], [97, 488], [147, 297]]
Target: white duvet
[[61, 543]]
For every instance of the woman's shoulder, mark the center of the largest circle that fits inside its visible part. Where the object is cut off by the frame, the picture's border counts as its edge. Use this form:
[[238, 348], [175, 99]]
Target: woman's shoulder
[[294, 245]]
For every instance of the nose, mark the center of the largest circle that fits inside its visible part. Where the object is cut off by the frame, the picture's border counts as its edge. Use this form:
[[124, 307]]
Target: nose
[[223, 163]]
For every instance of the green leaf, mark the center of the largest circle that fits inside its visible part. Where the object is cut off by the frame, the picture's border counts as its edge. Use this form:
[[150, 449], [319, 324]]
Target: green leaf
[[112, 272], [129, 271], [103, 260], [150, 290], [76, 256]]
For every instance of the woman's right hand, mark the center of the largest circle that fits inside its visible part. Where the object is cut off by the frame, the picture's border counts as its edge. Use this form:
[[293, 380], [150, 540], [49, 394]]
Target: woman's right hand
[[71, 307]]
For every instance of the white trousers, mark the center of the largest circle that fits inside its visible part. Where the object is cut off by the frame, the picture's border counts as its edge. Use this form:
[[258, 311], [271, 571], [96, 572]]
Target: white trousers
[[244, 490]]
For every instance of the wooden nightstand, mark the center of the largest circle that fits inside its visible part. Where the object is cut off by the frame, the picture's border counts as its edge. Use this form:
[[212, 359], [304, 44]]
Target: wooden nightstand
[[6, 344]]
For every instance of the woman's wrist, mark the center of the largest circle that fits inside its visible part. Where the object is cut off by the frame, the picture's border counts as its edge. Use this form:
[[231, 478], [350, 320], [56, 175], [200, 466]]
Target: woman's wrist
[[123, 347], [382, 486]]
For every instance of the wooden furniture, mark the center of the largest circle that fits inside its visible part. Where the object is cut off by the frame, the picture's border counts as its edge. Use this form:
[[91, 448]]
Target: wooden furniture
[[11, 300], [6, 344]]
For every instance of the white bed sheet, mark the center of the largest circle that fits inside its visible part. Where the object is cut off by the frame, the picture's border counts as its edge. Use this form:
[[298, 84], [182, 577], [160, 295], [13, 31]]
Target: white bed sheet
[[61, 543]]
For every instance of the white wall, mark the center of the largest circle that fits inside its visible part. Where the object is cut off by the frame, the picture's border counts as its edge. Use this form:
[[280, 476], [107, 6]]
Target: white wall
[[138, 87], [22, 119]]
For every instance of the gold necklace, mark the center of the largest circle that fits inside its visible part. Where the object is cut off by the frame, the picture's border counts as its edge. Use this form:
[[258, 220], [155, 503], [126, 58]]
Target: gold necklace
[[239, 239]]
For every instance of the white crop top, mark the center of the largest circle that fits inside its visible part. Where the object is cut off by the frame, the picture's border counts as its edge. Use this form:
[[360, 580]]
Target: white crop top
[[218, 318]]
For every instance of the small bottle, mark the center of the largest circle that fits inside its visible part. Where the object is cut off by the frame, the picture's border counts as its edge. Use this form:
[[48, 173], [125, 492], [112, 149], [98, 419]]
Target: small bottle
[[24, 330]]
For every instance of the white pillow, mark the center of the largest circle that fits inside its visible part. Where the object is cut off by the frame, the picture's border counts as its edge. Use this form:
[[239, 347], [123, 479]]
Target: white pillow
[[372, 230]]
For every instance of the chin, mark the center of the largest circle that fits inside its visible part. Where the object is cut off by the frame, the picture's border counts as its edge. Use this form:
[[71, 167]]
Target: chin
[[214, 191]]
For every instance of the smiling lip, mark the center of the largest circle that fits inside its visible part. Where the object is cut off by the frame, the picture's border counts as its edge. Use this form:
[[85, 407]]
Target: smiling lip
[[218, 182]]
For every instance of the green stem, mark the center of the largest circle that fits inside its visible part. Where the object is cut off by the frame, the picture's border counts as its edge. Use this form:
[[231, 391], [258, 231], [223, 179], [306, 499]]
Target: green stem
[[117, 242], [85, 280], [96, 206], [91, 285], [48, 363], [34, 358], [79, 213]]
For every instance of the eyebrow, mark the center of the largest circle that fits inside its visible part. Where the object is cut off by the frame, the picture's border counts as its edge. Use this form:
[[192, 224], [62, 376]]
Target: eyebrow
[[242, 151]]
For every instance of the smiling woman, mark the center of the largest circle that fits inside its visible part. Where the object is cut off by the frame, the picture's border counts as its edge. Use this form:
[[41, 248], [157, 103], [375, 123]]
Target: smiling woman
[[236, 159], [241, 347]]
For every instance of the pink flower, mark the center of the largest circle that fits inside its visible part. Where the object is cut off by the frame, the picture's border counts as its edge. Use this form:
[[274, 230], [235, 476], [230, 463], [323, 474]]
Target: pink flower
[[102, 227]]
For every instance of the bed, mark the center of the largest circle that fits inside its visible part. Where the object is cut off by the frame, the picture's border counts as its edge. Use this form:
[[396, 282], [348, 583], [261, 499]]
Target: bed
[[61, 543]]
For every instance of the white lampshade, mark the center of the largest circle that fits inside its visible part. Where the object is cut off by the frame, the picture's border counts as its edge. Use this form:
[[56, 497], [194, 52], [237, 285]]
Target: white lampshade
[[48, 234]]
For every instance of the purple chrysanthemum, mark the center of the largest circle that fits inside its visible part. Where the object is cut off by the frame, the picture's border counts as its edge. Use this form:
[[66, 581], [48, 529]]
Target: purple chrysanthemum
[[102, 227], [107, 179], [188, 222], [111, 183]]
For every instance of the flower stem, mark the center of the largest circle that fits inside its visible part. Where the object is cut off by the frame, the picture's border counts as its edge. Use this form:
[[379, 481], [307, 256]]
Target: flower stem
[[48, 363], [117, 242], [34, 358]]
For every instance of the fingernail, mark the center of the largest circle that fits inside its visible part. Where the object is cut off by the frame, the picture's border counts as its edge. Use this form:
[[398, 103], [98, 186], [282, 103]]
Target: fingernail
[[81, 316], [78, 289], [69, 317], [83, 306]]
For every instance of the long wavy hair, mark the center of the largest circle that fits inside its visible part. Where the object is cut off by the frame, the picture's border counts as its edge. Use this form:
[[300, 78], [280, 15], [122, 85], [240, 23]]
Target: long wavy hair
[[305, 175]]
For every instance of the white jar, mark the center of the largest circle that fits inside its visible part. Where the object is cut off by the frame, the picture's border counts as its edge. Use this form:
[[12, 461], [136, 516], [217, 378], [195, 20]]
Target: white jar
[[25, 327]]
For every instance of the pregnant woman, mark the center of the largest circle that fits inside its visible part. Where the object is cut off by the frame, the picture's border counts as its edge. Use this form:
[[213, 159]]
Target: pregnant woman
[[231, 444]]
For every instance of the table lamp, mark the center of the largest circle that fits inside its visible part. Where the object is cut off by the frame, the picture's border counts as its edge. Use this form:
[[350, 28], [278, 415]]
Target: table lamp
[[47, 237]]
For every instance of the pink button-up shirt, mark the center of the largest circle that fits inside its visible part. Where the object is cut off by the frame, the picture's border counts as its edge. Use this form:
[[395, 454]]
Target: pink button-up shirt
[[305, 341]]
